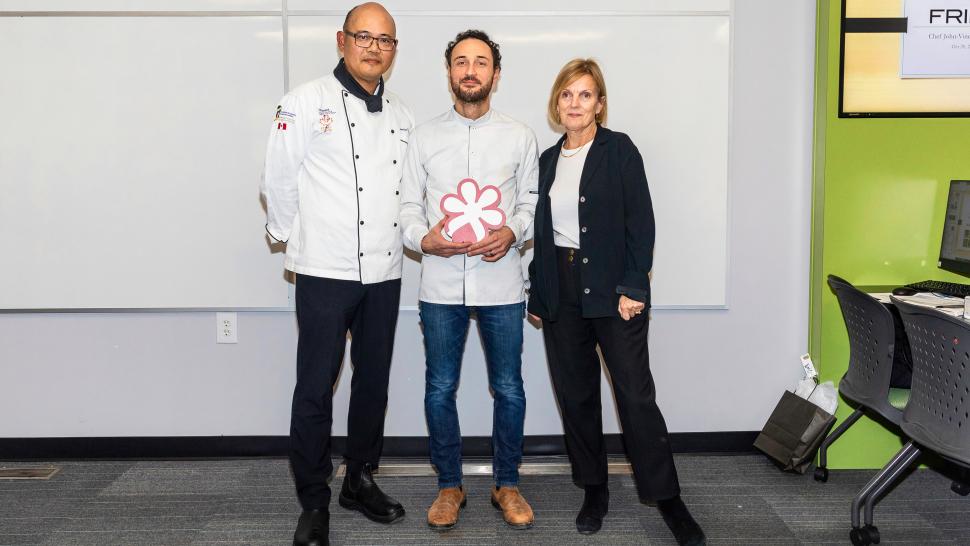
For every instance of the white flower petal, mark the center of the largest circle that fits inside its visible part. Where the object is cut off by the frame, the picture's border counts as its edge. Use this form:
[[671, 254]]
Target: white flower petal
[[489, 196], [479, 229], [468, 189], [456, 223], [452, 205], [492, 217]]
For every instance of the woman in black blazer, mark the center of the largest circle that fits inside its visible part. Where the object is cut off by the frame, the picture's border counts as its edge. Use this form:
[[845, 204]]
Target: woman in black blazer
[[594, 235]]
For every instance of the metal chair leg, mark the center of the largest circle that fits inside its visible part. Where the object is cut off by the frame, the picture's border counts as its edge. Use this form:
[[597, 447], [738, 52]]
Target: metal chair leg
[[890, 479], [869, 487], [821, 472]]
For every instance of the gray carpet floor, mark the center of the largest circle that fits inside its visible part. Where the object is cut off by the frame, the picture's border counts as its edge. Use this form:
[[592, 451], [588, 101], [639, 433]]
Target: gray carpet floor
[[738, 499]]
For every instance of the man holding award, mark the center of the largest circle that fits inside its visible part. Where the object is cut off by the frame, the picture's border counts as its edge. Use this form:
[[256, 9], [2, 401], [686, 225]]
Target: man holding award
[[468, 195]]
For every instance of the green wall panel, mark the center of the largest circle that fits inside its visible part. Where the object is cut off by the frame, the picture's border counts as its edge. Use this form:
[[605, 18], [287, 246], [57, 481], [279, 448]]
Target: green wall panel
[[880, 191]]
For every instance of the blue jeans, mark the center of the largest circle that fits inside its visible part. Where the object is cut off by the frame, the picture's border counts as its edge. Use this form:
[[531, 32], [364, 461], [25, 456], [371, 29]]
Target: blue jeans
[[445, 329]]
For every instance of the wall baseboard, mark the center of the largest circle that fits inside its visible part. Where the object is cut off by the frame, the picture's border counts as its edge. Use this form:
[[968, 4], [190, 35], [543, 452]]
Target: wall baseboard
[[277, 446]]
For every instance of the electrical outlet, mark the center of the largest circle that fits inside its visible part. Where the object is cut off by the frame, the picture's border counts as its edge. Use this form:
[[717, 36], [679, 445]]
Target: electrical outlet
[[226, 328]]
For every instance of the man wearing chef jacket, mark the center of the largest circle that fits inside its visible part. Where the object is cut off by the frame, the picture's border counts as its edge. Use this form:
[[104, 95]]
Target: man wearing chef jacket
[[331, 185], [467, 201]]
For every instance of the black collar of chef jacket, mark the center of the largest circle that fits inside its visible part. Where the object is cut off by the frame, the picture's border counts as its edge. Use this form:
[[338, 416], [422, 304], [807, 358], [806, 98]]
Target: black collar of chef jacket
[[375, 102]]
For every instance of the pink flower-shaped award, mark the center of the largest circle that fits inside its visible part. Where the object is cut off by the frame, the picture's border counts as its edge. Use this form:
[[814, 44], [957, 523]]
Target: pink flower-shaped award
[[472, 212]]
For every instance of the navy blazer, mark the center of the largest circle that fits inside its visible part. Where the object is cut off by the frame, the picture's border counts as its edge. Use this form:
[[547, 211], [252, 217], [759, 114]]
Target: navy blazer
[[616, 229]]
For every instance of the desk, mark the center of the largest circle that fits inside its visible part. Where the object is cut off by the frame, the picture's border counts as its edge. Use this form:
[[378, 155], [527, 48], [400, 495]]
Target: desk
[[948, 304]]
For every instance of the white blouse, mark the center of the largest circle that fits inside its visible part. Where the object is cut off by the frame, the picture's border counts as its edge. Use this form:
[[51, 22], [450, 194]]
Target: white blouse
[[564, 197]]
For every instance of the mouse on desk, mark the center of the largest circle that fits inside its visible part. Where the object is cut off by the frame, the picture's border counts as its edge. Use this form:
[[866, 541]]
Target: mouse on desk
[[904, 291]]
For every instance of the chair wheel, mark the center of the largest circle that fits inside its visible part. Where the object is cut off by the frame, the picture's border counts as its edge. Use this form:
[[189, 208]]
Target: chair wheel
[[859, 537], [962, 489], [864, 536], [821, 474]]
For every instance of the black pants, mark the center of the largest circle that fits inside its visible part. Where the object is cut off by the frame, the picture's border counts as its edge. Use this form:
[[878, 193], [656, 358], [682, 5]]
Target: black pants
[[575, 368], [325, 310]]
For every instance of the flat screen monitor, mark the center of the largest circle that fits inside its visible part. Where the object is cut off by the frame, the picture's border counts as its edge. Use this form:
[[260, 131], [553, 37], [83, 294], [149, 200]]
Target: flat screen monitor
[[905, 58], [955, 247]]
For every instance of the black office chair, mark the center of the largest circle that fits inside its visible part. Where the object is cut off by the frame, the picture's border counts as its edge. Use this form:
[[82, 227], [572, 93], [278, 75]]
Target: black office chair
[[871, 348], [938, 408]]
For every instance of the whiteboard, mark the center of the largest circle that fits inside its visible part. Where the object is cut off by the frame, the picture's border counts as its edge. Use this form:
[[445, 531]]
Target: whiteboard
[[669, 93], [140, 5], [129, 166], [129, 170], [400, 7]]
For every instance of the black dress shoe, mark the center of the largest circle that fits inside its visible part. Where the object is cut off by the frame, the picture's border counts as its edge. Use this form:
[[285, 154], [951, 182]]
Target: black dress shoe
[[313, 528], [596, 503], [681, 523], [360, 493]]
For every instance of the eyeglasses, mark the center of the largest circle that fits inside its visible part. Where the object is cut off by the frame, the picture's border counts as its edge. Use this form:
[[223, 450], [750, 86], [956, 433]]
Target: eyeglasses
[[364, 40]]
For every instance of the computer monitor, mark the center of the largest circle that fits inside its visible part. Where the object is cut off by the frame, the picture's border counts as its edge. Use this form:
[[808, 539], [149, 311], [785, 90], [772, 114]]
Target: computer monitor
[[955, 247]]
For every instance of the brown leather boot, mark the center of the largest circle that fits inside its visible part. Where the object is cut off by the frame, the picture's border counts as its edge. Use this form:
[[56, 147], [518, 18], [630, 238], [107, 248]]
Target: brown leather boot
[[515, 510], [443, 513]]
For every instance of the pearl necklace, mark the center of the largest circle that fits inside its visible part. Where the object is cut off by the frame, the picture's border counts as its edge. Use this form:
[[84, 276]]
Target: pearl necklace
[[562, 150]]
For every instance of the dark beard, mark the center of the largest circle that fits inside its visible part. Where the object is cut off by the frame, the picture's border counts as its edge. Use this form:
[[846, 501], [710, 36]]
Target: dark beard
[[471, 97]]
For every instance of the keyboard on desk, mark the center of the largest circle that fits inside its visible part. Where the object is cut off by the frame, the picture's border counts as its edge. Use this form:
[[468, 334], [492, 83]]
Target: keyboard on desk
[[940, 287]]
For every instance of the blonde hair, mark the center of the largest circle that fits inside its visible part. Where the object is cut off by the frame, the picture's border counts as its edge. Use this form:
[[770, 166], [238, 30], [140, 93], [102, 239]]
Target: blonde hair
[[572, 71]]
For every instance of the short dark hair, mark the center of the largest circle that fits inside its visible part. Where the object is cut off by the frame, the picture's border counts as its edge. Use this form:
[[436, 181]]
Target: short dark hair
[[478, 35]]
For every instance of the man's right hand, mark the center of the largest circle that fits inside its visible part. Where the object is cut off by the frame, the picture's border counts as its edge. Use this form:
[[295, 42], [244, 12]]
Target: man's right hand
[[435, 244]]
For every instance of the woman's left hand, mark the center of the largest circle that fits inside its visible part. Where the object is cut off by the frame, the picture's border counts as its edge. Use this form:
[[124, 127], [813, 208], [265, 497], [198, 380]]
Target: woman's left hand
[[630, 308]]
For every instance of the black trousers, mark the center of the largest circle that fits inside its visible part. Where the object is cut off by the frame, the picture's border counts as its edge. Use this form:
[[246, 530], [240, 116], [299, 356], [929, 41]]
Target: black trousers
[[575, 369], [326, 309]]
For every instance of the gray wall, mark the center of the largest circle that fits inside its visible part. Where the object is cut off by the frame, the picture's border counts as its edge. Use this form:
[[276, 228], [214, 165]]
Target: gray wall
[[161, 374]]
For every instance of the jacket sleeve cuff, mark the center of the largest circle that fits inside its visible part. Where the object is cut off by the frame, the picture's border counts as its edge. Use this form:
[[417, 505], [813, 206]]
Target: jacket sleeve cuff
[[413, 236], [637, 294], [277, 237], [517, 232]]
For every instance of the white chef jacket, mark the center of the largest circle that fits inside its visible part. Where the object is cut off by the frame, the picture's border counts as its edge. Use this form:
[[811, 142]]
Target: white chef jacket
[[493, 150], [332, 182]]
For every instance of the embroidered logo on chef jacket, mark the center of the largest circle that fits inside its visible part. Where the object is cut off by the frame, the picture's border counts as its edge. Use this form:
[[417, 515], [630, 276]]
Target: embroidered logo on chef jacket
[[326, 120], [283, 118]]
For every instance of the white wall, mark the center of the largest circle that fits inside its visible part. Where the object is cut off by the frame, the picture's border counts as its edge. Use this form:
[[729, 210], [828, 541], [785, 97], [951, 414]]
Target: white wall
[[161, 374]]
